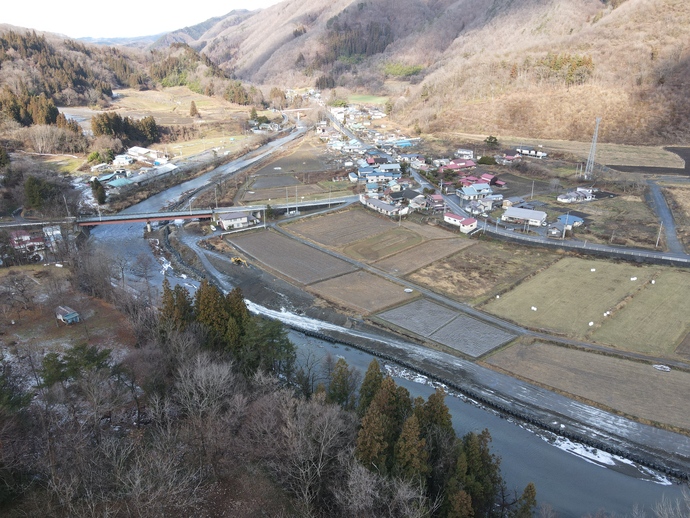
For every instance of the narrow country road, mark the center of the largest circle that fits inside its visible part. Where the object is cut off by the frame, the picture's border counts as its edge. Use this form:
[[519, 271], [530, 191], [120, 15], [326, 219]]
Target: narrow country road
[[661, 208]]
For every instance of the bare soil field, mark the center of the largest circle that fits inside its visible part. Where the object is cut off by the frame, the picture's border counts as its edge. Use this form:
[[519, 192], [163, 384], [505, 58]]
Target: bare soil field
[[282, 194], [447, 327], [362, 291], [308, 156], [339, 229], [569, 295], [429, 231], [655, 321], [383, 245], [290, 258], [422, 255], [634, 388], [483, 270]]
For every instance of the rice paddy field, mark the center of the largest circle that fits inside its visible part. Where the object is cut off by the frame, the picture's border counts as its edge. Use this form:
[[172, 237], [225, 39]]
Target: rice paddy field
[[340, 229], [362, 291]]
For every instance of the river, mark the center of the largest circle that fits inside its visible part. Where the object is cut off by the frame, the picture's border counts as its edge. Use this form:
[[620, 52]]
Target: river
[[573, 483]]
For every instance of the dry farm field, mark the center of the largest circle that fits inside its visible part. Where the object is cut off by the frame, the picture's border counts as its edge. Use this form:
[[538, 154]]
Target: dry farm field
[[634, 388], [422, 255], [482, 270], [655, 321], [361, 291], [383, 245], [447, 327], [571, 294], [290, 258], [337, 230]]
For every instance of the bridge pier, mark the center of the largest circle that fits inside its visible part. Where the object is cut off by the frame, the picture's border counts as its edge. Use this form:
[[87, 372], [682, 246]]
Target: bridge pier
[[148, 226]]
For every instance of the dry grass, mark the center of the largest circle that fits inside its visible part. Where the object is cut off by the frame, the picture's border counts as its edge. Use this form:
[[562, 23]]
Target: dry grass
[[483, 270], [422, 255], [361, 291], [295, 260], [624, 220], [568, 295], [343, 228], [383, 245], [655, 321], [636, 389]]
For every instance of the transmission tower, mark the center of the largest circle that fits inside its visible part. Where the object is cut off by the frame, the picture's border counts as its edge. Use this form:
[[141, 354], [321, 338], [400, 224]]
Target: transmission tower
[[592, 152]]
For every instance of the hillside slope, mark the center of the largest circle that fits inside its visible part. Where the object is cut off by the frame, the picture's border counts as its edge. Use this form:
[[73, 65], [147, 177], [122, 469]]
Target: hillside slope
[[542, 68]]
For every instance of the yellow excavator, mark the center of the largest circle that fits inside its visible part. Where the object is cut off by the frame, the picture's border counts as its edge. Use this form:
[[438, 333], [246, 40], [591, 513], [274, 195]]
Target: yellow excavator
[[239, 261]]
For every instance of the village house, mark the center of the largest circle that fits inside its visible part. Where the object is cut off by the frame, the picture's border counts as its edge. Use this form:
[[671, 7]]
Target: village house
[[382, 207], [535, 218], [22, 241], [464, 154], [513, 200], [466, 225], [236, 220], [435, 202], [475, 191], [581, 194]]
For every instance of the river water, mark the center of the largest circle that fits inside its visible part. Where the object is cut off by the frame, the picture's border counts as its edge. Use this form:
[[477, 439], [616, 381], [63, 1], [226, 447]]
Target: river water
[[573, 483]]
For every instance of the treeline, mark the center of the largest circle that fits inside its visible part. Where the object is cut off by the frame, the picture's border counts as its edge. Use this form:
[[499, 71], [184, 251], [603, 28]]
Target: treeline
[[351, 41], [180, 70], [56, 72], [144, 130], [213, 398], [27, 109]]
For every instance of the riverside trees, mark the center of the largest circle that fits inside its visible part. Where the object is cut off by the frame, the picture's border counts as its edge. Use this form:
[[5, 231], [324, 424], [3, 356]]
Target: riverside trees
[[210, 399]]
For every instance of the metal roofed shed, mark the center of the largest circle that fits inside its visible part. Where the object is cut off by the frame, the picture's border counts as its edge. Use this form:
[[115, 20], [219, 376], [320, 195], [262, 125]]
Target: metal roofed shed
[[67, 315], [531, 217]]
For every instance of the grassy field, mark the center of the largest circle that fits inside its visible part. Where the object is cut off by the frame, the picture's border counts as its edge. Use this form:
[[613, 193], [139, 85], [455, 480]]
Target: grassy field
[[340, 229], [636, 389], [482, 270], [655, 321], [568, 295], [290, 258], [361, 291], [383, 245]]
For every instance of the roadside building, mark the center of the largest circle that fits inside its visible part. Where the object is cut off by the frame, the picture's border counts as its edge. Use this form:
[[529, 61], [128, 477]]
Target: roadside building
[[466, 225], [531, 217], [236, 220]]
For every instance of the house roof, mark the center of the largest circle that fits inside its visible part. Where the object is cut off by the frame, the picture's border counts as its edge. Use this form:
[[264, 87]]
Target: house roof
[[518, 213], [569, 219], [229, 216]]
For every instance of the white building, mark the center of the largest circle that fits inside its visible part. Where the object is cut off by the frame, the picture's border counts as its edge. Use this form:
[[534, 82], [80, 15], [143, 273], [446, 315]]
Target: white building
[[465, 154], [466, 225], [535, 218], [235, 220]]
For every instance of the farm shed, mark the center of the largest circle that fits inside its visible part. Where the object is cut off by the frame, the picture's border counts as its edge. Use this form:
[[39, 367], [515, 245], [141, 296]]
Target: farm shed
[[67, 315], [531, 217]]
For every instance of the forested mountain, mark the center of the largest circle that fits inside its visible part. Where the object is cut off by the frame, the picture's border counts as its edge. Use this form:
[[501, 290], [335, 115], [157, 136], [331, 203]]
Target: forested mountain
[[531, 67]]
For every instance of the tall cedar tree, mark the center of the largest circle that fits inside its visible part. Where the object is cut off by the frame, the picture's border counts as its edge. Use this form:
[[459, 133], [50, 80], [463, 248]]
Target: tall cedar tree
[[370, 386], [393, 404], [342, 388], [236, 307], [265, 346], [210, 310], [479, 472], [176, 306], [411, 457]]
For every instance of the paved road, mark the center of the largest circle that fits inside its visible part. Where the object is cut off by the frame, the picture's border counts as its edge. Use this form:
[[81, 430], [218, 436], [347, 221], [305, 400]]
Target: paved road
[[661, 208]]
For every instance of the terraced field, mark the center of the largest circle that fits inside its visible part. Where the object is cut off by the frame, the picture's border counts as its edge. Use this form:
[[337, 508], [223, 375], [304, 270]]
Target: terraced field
[[422, 255], [383, 245]]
